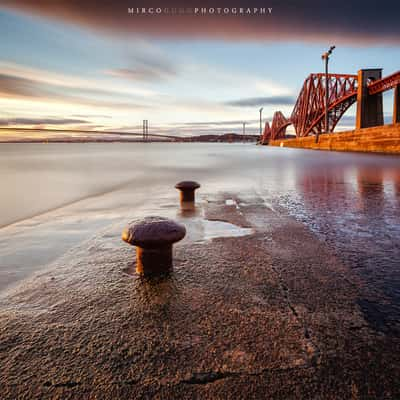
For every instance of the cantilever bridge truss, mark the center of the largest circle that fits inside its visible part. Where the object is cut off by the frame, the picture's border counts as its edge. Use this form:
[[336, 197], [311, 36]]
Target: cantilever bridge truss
[[309, 111]]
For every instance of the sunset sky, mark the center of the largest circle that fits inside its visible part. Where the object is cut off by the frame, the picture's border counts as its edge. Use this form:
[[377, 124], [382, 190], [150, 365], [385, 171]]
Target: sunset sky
[[91, 65]]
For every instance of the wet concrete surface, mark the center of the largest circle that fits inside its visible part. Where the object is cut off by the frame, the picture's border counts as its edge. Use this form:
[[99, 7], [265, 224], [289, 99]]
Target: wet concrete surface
[[273, 313], [359, 220]]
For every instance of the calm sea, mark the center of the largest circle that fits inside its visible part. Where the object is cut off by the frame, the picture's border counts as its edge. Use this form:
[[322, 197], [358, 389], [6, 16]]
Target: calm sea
[[55, 195]]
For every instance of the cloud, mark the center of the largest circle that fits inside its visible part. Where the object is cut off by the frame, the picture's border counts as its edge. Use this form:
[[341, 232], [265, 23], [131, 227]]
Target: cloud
[[196, 128], [69, 81], [41, 121], [20, 82], [209, 127], [146, 68], [262, 101], [215, 123], [211, 130], [92, 116], [360, 21], [16, 86], [350, 120]]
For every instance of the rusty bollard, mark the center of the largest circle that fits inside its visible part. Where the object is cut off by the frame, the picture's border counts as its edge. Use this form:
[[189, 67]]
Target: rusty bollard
[[153, 238], [187, 197]]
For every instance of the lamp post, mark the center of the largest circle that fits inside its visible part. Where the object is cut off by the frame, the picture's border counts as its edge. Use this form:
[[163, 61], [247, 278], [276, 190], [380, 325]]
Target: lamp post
[[325, 57], [261, 109], [244, 131]]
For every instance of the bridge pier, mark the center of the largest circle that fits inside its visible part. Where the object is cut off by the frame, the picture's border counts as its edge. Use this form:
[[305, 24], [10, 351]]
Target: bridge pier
[[369, 107], [145, 130], [396, 105]]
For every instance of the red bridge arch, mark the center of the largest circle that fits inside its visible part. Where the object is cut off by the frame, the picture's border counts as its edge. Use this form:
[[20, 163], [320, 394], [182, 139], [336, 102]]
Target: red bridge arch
[[309, 110]]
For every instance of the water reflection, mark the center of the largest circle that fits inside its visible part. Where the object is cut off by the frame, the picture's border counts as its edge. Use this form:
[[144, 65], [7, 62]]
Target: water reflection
[[371, 190], [396, 184], [354, 207]]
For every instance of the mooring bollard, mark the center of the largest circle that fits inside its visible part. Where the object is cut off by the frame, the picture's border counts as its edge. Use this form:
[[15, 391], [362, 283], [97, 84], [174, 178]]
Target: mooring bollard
[[187, 197], [153, 238]]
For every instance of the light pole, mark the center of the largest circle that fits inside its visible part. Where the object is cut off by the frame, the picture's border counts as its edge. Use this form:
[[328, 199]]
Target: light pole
[[261, 109], [244, 131], [325, 57]]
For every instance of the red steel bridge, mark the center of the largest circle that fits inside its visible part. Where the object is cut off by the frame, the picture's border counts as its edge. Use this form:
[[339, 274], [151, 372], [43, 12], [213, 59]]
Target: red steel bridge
[[366, 89]]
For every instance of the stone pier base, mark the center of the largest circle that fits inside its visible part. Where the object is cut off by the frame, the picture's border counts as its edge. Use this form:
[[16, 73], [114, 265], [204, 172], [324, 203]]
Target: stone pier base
[[380, 139]]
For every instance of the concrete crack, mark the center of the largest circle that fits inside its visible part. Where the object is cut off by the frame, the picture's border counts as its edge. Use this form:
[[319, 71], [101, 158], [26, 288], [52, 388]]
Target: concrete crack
[[202, 378], [68, 384], [286, 294]]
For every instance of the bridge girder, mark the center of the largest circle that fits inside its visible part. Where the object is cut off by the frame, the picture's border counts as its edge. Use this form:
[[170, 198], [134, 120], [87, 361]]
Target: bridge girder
[[309, 110], [266, 136], [279, 125]]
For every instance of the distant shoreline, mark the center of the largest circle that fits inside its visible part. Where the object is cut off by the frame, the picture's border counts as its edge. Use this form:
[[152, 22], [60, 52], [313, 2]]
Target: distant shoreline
[[225, 138]]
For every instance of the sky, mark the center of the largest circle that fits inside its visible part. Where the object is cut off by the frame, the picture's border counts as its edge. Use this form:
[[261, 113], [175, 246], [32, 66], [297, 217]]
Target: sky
[[93, 65]]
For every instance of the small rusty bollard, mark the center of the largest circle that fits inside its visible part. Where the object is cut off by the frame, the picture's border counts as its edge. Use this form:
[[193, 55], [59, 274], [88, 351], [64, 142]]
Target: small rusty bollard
[[153, 238], [187, 197]]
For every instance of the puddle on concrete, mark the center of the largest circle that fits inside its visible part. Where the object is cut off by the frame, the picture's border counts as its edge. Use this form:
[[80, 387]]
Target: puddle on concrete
[[231, 202], [171, 205], [216, 229]]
